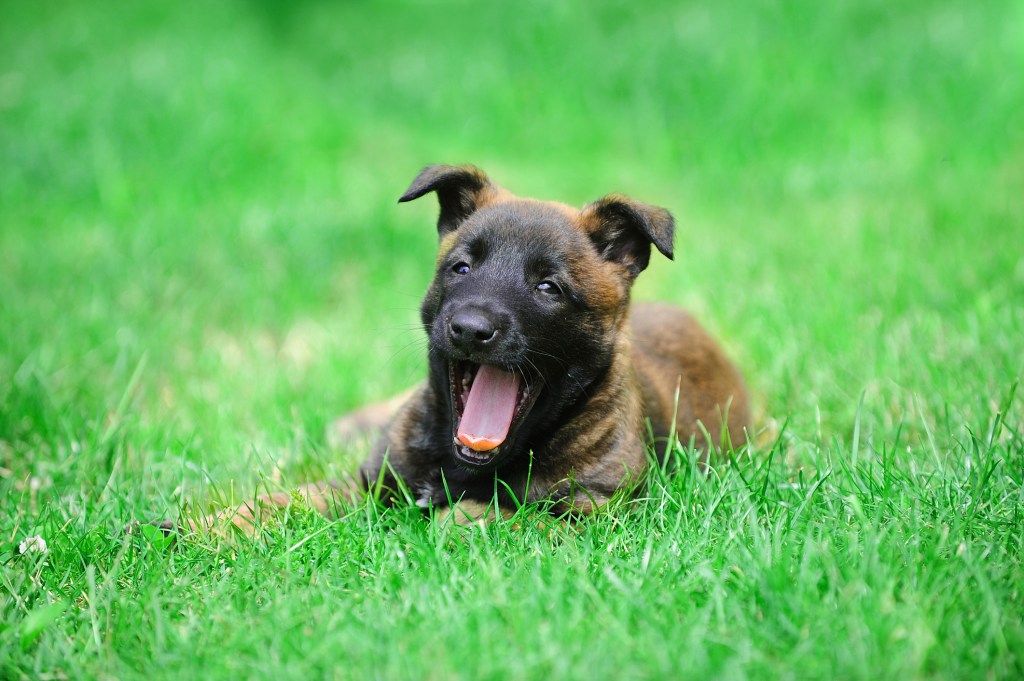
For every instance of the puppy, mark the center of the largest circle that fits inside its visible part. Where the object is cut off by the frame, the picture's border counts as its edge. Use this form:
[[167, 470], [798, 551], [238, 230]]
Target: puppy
[[541, 373]]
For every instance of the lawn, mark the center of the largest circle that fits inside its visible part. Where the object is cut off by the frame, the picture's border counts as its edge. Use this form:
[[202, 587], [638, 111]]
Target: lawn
[[202, 263]]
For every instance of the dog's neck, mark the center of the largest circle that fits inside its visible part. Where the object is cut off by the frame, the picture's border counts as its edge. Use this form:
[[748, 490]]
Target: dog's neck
[[584, 422]]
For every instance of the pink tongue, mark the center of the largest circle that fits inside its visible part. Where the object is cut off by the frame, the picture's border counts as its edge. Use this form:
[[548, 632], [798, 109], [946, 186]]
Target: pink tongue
[[489, 408]]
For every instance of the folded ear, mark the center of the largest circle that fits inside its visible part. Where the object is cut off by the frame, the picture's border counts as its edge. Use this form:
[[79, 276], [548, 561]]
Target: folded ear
[[461, 191], [624, 229]]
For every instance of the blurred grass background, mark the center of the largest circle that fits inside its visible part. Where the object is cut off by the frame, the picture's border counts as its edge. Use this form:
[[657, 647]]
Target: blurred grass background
[[202, 262]]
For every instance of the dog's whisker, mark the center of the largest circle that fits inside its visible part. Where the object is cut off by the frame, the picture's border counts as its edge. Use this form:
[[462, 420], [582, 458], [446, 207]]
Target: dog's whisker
[[417, 344]]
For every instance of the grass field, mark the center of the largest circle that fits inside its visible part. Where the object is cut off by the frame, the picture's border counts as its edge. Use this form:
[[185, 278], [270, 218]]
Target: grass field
[[202, 263]]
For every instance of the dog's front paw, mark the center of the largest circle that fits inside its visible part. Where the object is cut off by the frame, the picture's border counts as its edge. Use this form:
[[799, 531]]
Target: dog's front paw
[[163, 533]]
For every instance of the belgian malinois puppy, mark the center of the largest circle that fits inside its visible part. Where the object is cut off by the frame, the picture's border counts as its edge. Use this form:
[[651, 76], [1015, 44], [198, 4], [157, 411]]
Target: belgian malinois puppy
[[541, 374]]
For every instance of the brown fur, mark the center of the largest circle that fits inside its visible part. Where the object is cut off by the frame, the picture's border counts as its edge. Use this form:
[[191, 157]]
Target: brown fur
[[661, 365]]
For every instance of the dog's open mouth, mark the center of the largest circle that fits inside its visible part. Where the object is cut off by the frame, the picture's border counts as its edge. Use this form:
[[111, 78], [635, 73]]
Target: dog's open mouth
[[489, 402]]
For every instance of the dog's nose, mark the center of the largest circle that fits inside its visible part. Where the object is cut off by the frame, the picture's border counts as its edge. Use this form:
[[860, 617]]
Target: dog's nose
[[469, 329]]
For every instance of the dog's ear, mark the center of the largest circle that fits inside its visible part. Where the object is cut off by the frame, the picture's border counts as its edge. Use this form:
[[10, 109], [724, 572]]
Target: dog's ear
[[461, 190], [624, 229]]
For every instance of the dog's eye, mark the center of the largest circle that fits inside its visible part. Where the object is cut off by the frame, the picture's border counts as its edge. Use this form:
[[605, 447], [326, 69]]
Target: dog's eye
[[548, 287], [460, 268]]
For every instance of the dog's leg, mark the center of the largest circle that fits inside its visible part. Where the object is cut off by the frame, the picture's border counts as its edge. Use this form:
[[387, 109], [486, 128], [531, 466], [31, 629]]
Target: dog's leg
[[323, 497], [355, 429], [468, 512]]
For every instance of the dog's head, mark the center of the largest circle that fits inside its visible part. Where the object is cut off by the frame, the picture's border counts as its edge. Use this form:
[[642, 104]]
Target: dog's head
[[526, 304]]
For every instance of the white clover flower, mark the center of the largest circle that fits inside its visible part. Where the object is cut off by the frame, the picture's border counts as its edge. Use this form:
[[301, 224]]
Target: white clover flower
[[33, 543]]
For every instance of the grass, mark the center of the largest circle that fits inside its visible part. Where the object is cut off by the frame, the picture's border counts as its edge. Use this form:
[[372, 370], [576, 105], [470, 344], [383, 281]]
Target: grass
[[201, 263]]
